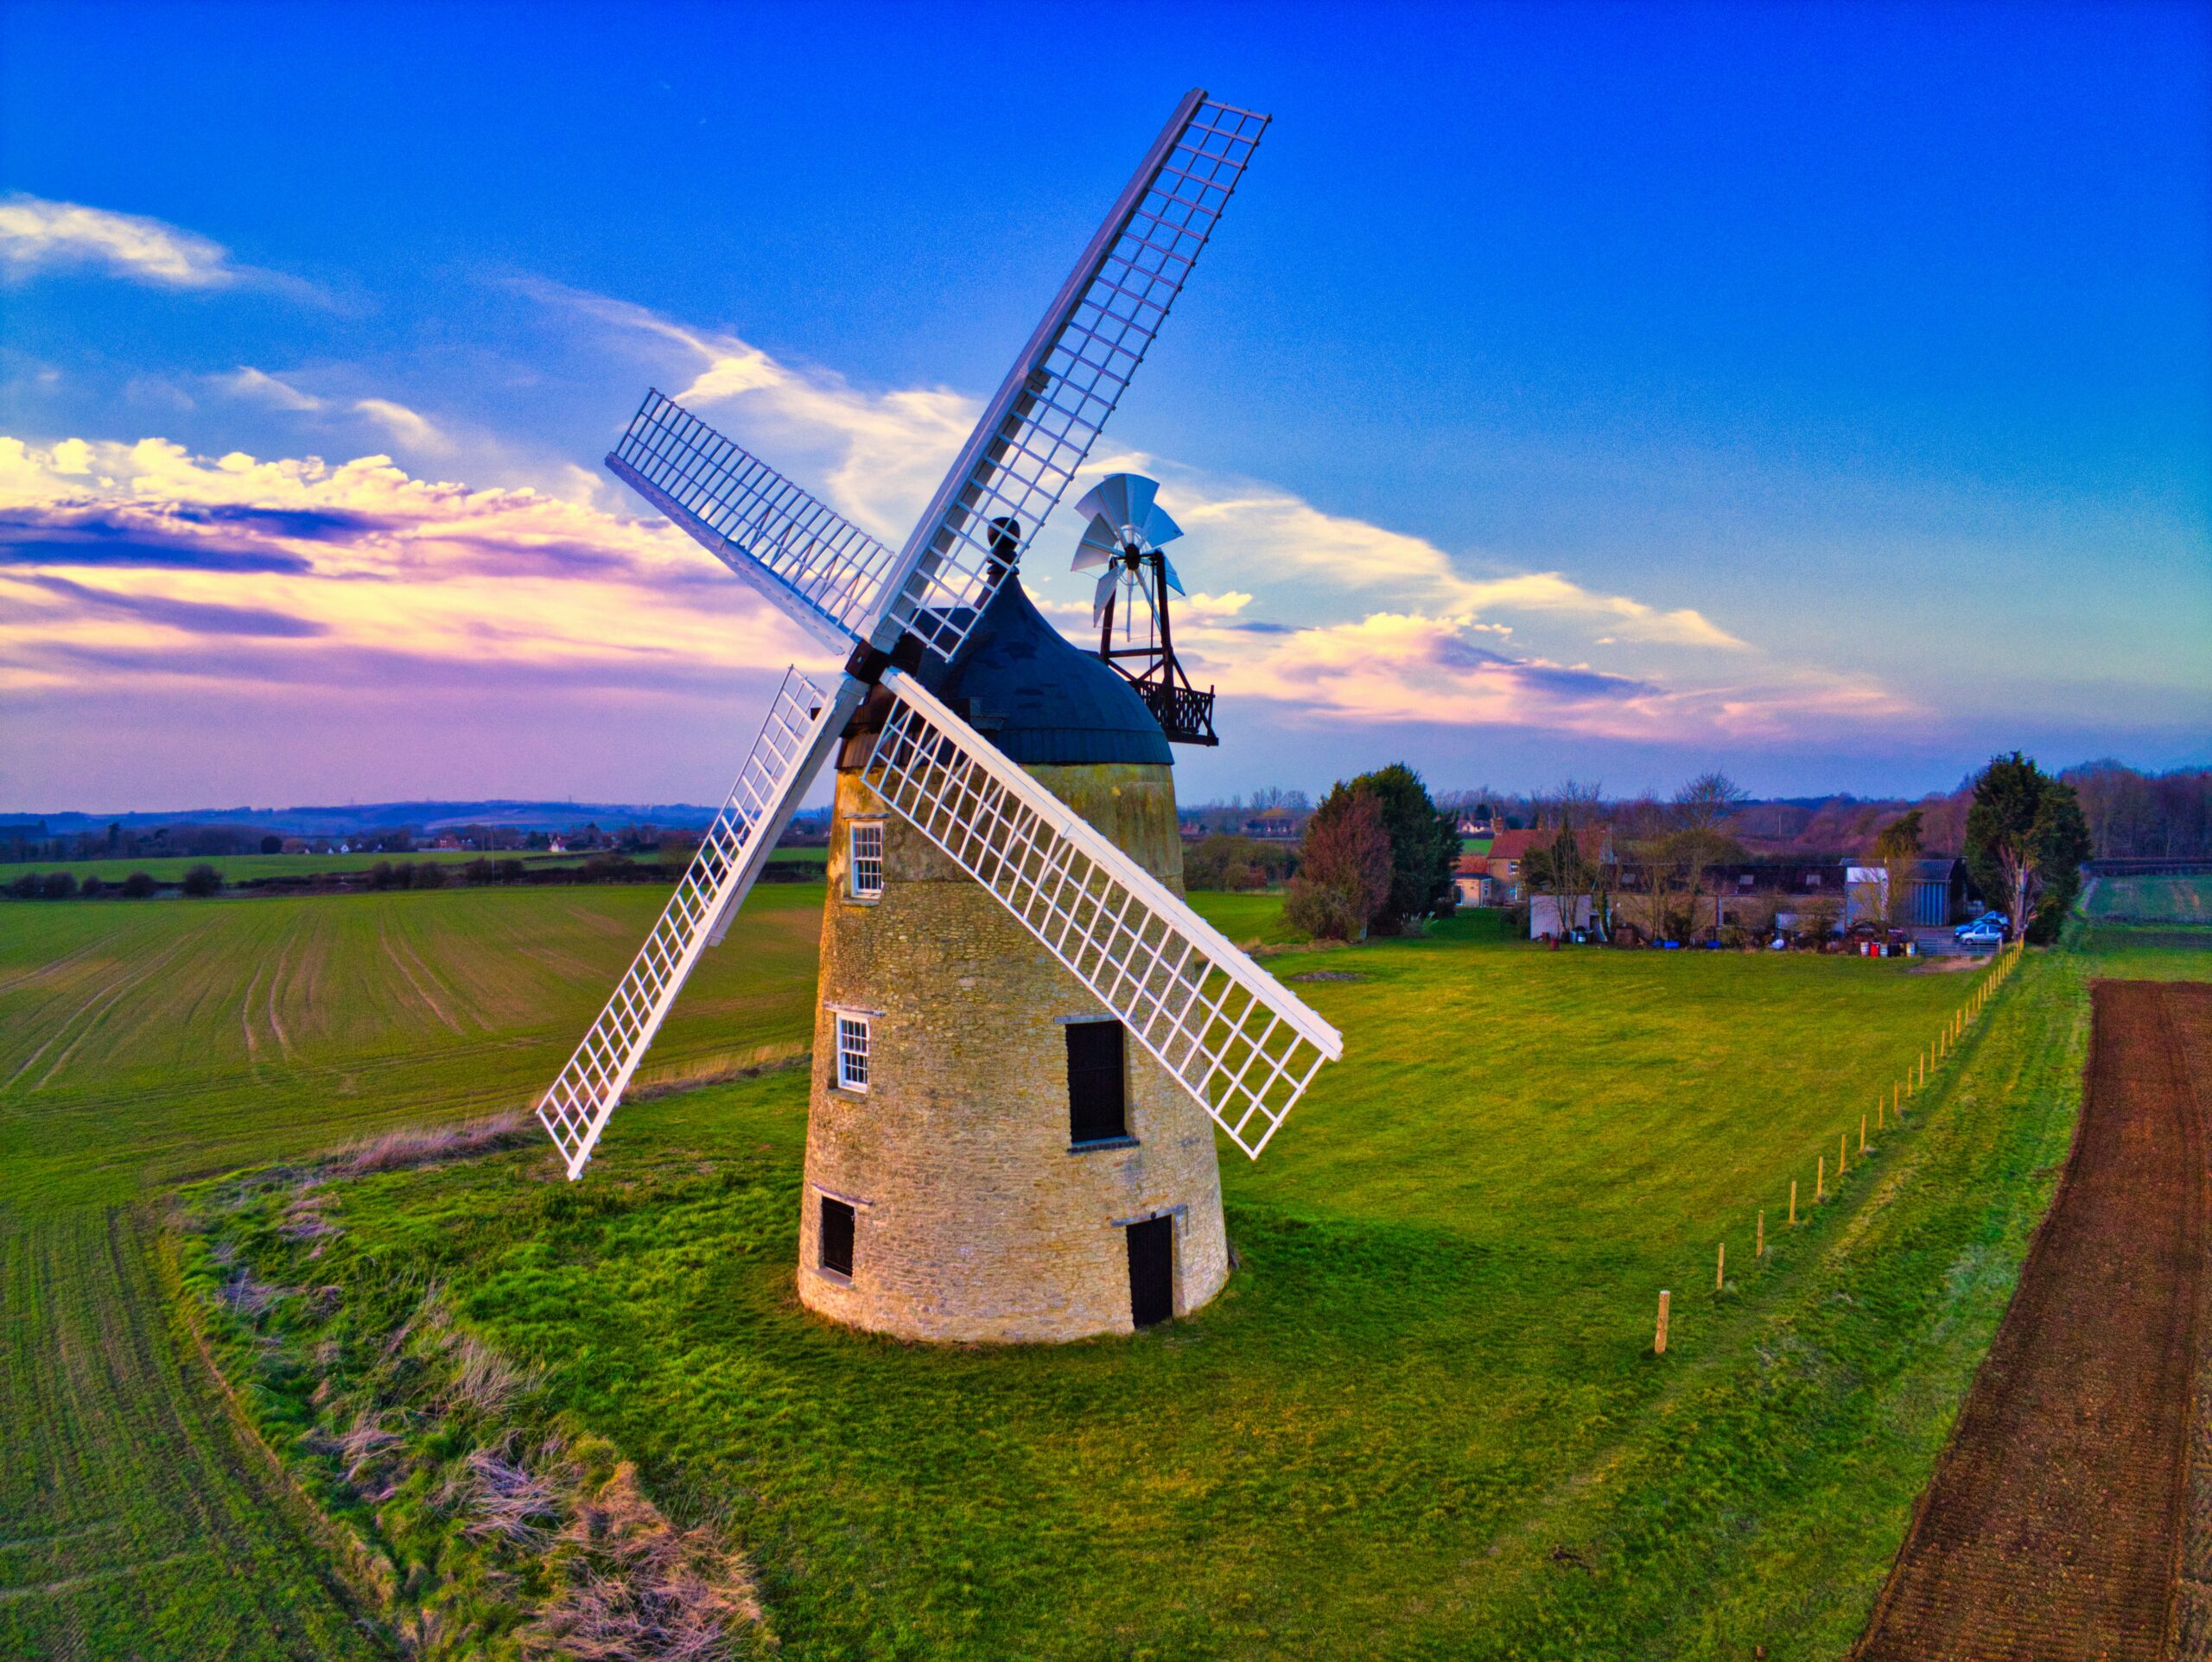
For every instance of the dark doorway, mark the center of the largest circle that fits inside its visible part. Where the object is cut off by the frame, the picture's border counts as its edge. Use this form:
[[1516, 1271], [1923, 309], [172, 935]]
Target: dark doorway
[[1096, 1082], [836, 1236], [1152, 1272]]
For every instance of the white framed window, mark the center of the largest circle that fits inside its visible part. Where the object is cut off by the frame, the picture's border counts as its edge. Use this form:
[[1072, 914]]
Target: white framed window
[[852, 1052], [865, 862]]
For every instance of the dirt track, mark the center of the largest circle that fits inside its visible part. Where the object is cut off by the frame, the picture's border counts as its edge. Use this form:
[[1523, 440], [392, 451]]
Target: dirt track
[[2051, 1529]]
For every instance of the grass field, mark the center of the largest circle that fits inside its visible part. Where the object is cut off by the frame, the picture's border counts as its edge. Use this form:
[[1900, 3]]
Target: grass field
[[244, 868], [2185, 900], [1421, 1421]]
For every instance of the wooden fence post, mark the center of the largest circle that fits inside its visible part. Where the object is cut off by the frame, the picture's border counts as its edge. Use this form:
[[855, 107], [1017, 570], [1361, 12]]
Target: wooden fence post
[[1760, 1248], [1659, 1342], [1720, 1268], [1821, 1178], [1862, 1133], [1793, 1202], [1842, 1149]]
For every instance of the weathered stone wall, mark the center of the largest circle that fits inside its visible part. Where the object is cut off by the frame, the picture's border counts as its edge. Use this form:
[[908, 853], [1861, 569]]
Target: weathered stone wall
[[974, 1221]]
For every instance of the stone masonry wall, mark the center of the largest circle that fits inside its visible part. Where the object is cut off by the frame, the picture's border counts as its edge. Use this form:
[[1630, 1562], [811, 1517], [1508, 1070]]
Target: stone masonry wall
[[974, 1222]]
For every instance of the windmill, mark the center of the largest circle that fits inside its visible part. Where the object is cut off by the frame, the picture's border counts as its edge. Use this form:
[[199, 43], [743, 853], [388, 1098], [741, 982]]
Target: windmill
[[1127, 531], [1023, 1029]]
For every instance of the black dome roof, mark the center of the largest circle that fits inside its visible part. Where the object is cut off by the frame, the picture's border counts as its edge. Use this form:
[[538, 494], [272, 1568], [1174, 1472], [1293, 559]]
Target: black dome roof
[[1037, 696]]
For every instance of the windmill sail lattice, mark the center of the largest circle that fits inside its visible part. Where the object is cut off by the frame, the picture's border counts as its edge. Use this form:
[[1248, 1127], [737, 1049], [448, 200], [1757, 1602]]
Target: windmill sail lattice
[[1239, 1043], [1242, 1044], [1036, 433], [802, 722], [830, 575]]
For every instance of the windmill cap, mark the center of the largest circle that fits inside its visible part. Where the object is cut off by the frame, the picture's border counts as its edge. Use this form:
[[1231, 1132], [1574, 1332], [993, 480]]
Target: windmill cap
[[1041, 698]]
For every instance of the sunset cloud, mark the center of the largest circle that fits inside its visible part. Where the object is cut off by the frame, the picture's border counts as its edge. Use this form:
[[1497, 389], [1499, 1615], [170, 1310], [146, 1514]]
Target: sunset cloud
[[146, 562], [143, 563]]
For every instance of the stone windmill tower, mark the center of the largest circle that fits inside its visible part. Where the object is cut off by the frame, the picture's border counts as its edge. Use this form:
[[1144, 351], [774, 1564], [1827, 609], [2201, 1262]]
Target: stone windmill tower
[[1025, 1036]]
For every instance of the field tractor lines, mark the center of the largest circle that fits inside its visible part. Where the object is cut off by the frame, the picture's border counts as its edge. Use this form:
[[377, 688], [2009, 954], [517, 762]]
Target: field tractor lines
[[384, 934], [94, 1010], [129, 1522], [275, 984], [245, 1017]]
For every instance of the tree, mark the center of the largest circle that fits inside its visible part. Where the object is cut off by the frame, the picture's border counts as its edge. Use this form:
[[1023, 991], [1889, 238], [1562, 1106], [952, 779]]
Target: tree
[[272, 845], [2025, 842], [139, 885], [1344, 870], [1701, 807], [57, 885], [203, 880], [1897, 847], [91, 888], [1424, 848], [1561, 870]]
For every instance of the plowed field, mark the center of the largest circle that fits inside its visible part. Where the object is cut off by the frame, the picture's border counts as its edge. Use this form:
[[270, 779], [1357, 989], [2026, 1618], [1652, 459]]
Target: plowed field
[[2051, 1528]]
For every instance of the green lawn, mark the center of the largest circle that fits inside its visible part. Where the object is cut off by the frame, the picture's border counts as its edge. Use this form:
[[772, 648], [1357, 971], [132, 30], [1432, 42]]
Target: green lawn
[[1421, 1421]]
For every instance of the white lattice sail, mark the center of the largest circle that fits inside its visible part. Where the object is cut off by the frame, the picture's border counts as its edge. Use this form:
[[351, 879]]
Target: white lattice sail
[[802, 722], [824, 570], [1036, 431], [1240, 1042]]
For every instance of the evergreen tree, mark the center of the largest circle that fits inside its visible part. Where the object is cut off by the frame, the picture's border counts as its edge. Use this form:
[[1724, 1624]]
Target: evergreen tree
[[1424, 848], [2025, 842]]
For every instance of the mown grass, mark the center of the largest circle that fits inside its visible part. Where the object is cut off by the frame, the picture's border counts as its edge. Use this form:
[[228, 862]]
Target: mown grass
[[2151, 899], [1424, 1419]]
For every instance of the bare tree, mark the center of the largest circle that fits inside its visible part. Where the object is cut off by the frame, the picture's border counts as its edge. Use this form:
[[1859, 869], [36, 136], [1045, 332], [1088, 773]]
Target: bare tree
[[1702, 808]]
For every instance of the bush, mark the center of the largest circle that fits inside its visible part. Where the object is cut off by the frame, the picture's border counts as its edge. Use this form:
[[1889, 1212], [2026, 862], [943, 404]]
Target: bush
[[203, 880], [91, 888], [56, 885], [1343, 883], [139, 885], [272, 845], [430, 875]]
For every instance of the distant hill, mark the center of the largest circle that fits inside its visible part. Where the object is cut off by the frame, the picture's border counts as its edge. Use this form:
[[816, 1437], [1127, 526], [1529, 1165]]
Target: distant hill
[[356, 817]]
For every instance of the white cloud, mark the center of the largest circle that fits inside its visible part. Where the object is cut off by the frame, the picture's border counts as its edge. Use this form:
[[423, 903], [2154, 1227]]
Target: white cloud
[[246, 381], [403, 423], [36, 234]]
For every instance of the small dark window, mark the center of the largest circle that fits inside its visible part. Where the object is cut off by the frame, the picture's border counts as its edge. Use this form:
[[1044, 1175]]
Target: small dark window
[[1096, 1113], [836, 1236]]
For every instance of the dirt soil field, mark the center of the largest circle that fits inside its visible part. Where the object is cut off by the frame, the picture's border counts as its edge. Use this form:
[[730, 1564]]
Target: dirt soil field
[[2052, 1528]]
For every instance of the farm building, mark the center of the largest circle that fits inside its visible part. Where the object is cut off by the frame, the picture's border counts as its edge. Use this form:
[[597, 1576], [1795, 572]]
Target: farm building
[[1472, 883], [1510, 851], [1938, 894]]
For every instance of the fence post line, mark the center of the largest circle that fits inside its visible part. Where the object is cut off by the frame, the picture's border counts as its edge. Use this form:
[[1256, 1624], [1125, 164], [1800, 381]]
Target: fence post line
[[1659, 1341]]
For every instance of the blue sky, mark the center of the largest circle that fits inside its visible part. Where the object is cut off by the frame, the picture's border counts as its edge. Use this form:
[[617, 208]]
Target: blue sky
[[1825, 394]]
